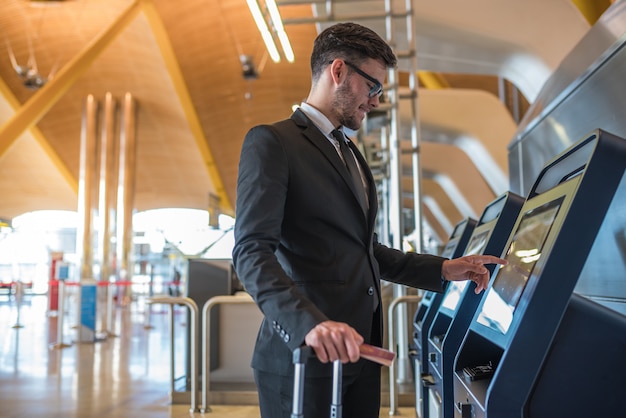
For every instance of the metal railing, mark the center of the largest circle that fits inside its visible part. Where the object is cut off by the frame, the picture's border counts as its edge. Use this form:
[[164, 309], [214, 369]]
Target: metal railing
[[193, 307], [393, 396], [206, 342], [206, 339]]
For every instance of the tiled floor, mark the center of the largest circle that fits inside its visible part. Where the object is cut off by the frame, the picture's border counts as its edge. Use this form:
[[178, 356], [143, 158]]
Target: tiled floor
[[126, 376]]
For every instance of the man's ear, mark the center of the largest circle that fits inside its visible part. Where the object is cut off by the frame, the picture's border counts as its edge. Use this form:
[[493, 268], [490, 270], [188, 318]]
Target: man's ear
[[338, 71]]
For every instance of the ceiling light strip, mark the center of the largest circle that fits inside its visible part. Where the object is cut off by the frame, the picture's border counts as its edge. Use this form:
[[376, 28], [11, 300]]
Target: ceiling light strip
[[280, 29], [265, 33]]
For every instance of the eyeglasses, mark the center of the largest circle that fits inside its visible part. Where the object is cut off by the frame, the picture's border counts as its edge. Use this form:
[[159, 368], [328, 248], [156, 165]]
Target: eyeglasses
[[376, 90]]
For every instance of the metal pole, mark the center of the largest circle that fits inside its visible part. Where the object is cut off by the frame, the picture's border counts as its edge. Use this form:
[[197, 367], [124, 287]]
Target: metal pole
[[336, 409], [18, 294], [172, 357], [299, 395], [60, 315], [393, 397], [111, 289], [193, 307], [147, 315], [415, 128], [395, 211]]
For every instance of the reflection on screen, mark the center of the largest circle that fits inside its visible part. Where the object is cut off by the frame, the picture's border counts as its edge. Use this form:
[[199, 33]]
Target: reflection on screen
[[477, 244], [448, 250], [453, 295], [455, 289], [522, 255]]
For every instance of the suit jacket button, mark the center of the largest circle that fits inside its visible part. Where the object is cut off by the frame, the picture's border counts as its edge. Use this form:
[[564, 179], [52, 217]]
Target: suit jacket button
[[286, 338], [370, 291]]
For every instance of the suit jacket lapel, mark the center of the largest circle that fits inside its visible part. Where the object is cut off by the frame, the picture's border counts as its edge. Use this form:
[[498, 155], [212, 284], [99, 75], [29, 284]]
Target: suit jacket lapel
[[313, 134]]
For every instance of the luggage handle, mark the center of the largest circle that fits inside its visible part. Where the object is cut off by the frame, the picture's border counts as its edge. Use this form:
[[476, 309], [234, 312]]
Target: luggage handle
[[300, 357]]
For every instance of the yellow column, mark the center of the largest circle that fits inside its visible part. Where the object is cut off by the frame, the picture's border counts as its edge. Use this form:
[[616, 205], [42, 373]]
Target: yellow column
[[106, 205], [126, 193], [87, 204], [87, 187], [107, 187]]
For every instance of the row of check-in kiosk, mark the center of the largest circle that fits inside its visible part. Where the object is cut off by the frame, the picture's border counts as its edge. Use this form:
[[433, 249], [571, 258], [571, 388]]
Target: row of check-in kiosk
[[530, 345]]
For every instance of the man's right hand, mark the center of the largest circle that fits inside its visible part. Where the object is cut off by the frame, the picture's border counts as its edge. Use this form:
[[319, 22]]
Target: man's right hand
[[334, 340]]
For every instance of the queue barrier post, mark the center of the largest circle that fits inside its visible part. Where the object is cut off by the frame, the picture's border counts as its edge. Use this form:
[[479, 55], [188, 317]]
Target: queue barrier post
[[18, 294], [393, 396], [206, 339], [60, 316], [193, 307], [107, 317]]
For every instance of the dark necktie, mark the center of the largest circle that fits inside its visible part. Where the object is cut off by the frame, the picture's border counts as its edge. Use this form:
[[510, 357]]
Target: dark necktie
[[348, 158]]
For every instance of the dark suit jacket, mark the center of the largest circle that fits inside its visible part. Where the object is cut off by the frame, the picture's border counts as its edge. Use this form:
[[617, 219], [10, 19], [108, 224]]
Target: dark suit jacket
[[304, 248]]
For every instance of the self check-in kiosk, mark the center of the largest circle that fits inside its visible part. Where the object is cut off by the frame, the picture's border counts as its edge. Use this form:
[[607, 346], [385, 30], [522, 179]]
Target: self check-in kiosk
[[426, 309], [459, 304], [533, 347]]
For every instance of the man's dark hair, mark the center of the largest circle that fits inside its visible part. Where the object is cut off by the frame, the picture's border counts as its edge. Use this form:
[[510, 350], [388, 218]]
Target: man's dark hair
[[350, 41]]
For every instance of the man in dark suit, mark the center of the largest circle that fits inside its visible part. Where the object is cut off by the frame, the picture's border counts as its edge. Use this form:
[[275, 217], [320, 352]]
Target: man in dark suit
[[305, 247]]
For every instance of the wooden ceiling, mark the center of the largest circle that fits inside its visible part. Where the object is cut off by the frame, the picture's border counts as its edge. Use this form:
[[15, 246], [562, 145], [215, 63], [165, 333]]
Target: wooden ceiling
[[180, 61]]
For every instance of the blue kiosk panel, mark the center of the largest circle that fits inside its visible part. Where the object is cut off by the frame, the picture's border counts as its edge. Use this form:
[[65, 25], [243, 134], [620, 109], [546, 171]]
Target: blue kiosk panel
[[459, 304], [427, 308], [533, 347]]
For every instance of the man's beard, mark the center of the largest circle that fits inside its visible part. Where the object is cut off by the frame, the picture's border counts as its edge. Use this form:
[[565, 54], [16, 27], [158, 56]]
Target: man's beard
[[343, 101]]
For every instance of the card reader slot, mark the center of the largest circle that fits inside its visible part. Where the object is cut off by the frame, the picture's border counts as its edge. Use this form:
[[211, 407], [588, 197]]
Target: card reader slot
[[478, 372]]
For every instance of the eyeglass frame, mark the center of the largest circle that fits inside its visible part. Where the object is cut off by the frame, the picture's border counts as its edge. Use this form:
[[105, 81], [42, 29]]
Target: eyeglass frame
[[375, 91]]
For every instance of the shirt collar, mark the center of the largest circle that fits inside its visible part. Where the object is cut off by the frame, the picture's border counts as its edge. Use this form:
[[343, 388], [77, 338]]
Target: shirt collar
[[323, 124], [319, 119]]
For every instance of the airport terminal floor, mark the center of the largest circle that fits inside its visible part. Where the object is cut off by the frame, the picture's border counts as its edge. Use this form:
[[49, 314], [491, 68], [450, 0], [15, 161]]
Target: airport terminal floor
[[123, 376]]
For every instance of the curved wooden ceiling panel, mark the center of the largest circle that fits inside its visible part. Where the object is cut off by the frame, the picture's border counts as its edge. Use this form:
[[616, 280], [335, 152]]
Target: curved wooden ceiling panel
[[180, 61], [26, 171]]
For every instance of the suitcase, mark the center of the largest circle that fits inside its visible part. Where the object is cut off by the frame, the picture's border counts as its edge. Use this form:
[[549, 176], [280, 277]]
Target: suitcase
[[300, 356]]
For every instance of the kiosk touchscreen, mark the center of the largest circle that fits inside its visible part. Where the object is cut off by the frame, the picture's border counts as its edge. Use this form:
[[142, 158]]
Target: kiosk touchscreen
[[533, 348], [426, 309], [459, 304]]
